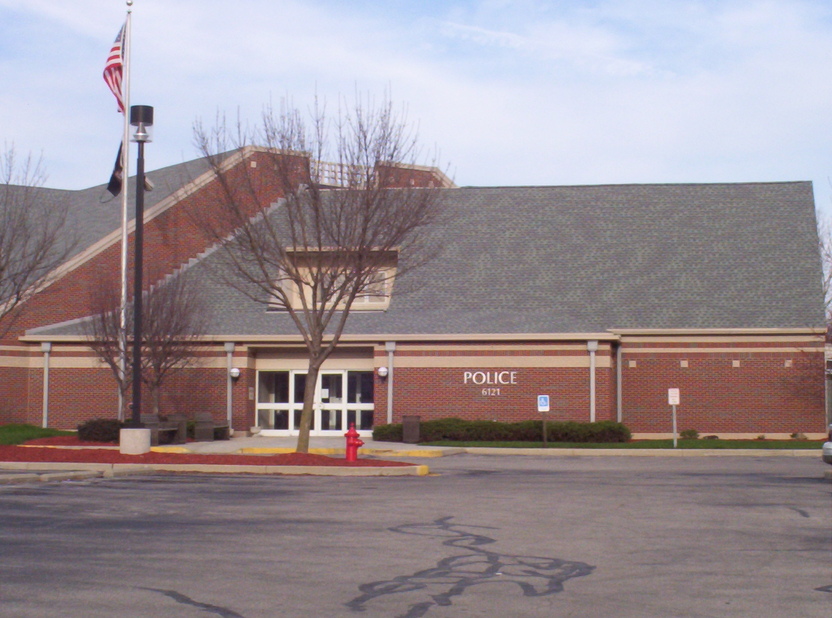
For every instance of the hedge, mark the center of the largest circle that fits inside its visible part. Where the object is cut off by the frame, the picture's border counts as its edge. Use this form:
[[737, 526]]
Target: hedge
[[100, 430], [457, 429]]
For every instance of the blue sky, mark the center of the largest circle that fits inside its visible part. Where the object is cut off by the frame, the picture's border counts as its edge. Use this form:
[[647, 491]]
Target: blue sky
[[510, 93]]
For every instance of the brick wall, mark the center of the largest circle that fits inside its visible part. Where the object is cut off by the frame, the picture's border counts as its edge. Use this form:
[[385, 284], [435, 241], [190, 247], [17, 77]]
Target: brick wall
[[442, 391], [170, 239], [764, 394], [84, 392], [768, 392], [14, 388]]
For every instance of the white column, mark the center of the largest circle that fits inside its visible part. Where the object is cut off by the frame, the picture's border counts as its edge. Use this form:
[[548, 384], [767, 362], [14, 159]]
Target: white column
[[229, 384], [592, 347], [390, 346], [46, 348], [619, 387]]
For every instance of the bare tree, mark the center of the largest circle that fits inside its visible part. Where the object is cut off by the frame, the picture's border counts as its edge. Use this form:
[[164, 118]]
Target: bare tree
[[34, 240], [173, 321], [342, 231]]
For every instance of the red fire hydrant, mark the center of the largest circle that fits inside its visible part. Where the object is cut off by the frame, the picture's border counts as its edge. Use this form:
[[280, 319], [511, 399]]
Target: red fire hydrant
[[354, 442]]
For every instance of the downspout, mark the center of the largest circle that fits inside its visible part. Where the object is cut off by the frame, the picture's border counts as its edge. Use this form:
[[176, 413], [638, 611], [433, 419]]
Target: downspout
[[592, 348], [619, 387], [390, 346], [229, 382], [46, 348]]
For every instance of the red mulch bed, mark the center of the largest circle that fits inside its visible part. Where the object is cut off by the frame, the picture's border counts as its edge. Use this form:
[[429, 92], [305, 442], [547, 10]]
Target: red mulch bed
[[67, 441], [112, 456]]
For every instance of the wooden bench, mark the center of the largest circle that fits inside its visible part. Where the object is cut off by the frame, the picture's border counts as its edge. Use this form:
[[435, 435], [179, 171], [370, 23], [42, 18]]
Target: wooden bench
[[206, 429], [174, 429]]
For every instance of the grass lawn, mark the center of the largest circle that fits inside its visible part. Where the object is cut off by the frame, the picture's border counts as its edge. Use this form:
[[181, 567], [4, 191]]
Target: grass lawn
[[641, 444], [16, 433]]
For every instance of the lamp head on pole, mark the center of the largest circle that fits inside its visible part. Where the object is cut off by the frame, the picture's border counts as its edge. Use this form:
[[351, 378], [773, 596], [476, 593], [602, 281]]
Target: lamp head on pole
[[141, 117]]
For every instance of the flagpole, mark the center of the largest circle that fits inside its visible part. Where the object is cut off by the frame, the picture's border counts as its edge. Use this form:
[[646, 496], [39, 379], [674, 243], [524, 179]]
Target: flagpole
[[125, 166]]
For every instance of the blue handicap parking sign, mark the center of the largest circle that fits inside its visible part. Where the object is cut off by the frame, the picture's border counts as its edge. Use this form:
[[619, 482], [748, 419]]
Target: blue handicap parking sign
[[543, 403]]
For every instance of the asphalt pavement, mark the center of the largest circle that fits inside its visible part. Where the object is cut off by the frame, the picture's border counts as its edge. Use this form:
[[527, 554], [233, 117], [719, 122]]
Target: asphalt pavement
[[512, 536]]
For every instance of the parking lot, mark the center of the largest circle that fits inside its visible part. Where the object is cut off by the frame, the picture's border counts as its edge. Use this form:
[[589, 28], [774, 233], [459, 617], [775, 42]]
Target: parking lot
[[480, 536]]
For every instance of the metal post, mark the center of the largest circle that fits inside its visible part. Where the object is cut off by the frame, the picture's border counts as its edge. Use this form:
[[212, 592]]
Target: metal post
[[125, 183], [138, 257], [674, 426]]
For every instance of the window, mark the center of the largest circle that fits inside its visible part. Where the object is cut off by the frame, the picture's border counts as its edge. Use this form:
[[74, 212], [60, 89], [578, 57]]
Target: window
[[375, 295]]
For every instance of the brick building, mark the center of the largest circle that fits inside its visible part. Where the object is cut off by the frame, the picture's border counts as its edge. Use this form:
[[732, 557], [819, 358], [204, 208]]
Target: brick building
[[601, 297]]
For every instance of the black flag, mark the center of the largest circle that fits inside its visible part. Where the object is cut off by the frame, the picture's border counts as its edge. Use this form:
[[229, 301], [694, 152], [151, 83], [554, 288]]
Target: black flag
[[114, 186]]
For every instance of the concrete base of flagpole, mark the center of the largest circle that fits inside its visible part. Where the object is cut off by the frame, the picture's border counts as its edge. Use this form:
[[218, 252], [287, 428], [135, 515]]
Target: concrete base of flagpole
[[132, 441]]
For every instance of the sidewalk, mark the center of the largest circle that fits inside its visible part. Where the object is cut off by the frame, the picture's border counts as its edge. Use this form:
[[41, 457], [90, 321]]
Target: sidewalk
[[17, 473], [14, 474], [257, 445]]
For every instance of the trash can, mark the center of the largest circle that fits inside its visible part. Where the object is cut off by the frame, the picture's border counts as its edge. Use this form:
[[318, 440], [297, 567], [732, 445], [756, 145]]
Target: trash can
[[410, 429]]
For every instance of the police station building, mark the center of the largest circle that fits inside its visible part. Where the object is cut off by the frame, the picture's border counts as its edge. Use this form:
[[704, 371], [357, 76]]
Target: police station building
[[601, 297]]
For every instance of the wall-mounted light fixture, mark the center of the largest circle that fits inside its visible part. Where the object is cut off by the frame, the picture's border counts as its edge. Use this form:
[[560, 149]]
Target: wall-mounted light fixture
[[234, 372], [382, 372]]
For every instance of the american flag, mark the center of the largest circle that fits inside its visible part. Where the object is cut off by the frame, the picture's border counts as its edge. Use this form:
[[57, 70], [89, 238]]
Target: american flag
[[113, 69]]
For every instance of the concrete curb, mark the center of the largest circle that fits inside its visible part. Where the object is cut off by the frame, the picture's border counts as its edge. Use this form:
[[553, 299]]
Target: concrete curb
[[49, 474], [67, 471], [279, 470], [366, 452], [54, 465], [446, 451], [646, 452], [19, 479]]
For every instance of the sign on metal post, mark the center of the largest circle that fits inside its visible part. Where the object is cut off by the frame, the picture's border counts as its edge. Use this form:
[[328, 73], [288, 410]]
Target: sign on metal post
[[543, 408], [673, 398]]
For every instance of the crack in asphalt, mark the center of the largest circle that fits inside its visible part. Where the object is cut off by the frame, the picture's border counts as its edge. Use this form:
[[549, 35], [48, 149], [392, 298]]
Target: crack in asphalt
[[224, 612]]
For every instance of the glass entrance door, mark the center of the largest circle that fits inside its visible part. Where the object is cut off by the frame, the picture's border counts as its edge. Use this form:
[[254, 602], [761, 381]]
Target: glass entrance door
[[341, 397], [329, 408]]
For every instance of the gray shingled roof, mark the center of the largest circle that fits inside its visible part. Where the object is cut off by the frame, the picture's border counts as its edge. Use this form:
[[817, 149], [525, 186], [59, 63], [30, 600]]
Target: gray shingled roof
[[590, 258], [94, 213]]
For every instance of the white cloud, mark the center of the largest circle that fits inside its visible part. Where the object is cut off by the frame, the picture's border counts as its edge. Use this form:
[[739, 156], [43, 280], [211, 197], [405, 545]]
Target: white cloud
[[525, 92]]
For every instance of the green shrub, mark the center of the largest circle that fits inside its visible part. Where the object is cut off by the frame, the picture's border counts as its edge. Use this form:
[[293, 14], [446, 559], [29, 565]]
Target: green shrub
[[100, 430], [388, 433], [689, 434], [460, 430], [601, 432]]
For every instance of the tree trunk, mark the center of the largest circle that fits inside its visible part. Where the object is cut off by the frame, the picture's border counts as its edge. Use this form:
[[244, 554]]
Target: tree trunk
[[156, 397], [307, 415]]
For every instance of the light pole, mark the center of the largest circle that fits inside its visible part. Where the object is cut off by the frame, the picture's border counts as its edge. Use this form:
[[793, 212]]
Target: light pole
[[141, 117]]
